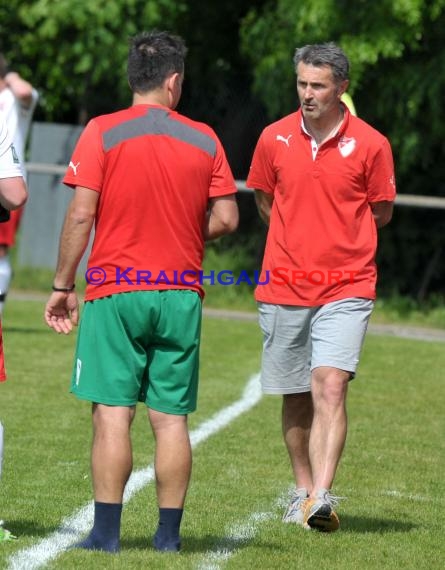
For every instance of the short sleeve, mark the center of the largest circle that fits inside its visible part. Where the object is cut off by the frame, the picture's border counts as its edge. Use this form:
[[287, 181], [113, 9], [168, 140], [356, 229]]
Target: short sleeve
[[380, 180], [222, 183], [261, 173], [87, 162]]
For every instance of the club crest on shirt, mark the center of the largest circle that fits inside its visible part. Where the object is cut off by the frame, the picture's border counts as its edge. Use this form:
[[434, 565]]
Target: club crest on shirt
[[346, 146], [392, 181]]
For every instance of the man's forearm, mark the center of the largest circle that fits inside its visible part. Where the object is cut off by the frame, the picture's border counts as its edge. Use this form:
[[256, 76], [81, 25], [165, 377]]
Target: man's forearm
[[21, 88], [382, 212], [216, 228], [222, 217], [264, 205], [73, 242]]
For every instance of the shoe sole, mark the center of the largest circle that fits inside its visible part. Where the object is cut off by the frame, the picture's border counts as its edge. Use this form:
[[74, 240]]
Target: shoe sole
[[324, 520]]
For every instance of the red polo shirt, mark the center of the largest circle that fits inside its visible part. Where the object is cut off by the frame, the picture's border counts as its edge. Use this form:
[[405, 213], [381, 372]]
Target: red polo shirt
[[322, 238]]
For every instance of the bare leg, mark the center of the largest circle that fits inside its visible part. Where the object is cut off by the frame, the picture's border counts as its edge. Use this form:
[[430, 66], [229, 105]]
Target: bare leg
[[173, 465], [173, 459], [111, 464], [329, 426], [111, 456], [297, 417]]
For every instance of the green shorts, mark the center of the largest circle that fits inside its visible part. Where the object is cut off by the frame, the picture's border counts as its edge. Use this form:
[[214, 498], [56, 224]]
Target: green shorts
[[140, 346]]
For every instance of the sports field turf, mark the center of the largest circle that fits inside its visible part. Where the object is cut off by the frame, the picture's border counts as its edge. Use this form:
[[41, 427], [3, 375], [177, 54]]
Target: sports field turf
[[392, 471]]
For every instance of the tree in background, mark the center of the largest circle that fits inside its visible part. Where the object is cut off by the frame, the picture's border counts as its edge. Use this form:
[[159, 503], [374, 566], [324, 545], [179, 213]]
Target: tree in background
[[76, 51], [218, 81]]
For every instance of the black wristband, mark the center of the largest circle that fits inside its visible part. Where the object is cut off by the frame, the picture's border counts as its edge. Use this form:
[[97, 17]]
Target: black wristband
[[63, 289]]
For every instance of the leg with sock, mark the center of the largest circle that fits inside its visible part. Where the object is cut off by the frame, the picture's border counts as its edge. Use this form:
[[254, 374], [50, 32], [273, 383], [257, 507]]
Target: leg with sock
[[111, 461], [167, 538], [173, 464], [106, 529]]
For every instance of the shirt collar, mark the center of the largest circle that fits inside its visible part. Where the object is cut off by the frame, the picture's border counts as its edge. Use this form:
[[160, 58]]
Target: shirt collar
[[341, 130]]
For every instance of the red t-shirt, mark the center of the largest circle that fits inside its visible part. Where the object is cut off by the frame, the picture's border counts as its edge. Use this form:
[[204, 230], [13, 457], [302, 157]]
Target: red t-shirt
[[322, 238], [155, 171]]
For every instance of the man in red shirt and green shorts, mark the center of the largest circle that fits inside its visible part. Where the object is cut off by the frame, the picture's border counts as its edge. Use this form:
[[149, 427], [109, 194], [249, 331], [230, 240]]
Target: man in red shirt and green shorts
[[324, 183], [156, 185]]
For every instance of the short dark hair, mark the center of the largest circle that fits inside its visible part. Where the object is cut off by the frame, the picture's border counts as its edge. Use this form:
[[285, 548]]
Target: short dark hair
[[152, 58], [321, 55]]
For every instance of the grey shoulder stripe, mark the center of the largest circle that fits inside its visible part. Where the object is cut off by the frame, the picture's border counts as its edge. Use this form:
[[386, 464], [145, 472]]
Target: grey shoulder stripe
[[158, 122]]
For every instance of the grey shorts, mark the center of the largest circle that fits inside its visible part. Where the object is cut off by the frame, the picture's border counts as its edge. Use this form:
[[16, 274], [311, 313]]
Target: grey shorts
[[299, 339]]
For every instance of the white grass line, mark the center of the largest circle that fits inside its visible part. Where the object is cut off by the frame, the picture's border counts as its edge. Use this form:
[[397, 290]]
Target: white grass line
[[399, 495], [237, 535], [73, 527], [242, 532], [354, 492]]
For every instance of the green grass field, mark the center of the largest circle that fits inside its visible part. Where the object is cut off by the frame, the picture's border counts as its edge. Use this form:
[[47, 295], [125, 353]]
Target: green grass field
[[392, 471]]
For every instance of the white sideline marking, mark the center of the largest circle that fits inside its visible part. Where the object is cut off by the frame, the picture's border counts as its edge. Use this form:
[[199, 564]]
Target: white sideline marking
[[79, 523], [399, 495], [241, 533], [238, 534]]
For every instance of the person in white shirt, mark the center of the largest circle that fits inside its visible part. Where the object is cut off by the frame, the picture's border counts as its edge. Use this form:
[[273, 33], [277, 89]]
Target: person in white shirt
[[13, 194], [18, 99]]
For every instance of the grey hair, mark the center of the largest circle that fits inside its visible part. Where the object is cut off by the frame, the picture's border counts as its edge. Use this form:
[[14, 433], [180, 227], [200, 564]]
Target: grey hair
[[321, 55]]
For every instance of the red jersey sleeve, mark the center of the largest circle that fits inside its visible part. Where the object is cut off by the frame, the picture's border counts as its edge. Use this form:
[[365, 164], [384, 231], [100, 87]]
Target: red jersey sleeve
[[222, 183], [380, 179], [262, 173], [86, 164]]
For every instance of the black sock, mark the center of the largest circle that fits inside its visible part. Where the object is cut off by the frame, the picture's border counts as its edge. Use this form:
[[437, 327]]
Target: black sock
[[106, 529], [167, 535]]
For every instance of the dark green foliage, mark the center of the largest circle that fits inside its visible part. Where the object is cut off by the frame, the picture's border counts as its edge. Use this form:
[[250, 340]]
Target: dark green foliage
[[239, 77]]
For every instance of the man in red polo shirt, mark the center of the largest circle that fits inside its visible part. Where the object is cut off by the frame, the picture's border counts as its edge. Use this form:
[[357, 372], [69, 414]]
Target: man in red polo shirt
[[324, 183], [156, 185]]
